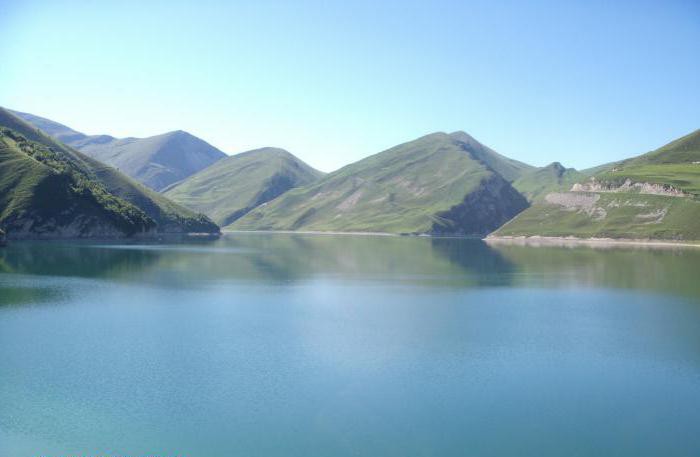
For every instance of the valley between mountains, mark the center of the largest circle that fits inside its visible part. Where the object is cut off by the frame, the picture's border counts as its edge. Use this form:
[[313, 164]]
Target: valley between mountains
[[56, 182]]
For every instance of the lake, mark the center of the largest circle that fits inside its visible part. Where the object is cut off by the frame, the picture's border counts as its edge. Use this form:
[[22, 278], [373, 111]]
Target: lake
[[319, 345]]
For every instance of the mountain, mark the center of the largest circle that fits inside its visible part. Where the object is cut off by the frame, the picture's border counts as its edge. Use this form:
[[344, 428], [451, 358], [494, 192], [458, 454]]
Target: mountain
[[675, 165], [438, 184], [232, 187], [58, 131], [44, 194], [156, 161], [538, 182], [652, 196], [51, 190], [509, 169]]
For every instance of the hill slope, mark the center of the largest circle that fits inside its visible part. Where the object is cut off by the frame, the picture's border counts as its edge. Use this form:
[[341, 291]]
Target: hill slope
[[436, 184], [44, 195], [676, 165], [538, 182], [654, 196], [509, 169], [156, 161], [168, 216], [231, 187]]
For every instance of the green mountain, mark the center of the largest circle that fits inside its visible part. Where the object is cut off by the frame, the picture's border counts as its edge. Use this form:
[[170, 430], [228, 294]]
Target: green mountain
[[44, 194], [51, 190], [538, 182], [652, 196], [509, 169], [675, 165], [232, 187], [156, 161], [437, 184]]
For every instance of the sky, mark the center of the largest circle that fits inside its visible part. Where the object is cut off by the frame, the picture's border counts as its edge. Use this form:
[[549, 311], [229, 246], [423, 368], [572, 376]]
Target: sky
[[582, 83]]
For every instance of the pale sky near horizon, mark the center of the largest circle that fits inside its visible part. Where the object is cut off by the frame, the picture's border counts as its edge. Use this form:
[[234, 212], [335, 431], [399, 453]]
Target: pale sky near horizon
[[581, 82]]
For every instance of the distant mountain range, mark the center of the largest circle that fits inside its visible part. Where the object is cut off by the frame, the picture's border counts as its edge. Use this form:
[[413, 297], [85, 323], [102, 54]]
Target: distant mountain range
[[439, 184], [156, 161], [49, 190]]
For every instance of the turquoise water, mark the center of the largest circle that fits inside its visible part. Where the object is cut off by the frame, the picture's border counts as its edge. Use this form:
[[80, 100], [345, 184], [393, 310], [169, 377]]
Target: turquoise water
[[302, 345]]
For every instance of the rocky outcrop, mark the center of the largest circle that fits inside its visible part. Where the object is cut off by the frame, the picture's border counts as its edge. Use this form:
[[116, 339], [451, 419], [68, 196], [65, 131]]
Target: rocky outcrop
[[34, 226], [482, 211], [588, 203], [581, 202], [594, 185]]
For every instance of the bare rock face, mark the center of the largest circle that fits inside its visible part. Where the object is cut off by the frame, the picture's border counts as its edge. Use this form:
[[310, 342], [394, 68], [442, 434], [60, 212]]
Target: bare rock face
[[581, 202], [594, 185], [482, 211], [31, 225]]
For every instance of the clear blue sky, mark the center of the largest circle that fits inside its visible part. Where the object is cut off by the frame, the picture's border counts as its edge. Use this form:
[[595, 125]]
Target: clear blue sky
[[580, 82]]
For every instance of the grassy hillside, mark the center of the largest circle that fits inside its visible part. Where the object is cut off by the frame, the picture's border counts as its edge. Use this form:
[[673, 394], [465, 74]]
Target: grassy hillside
[[537, 183], [44, 195], [636, 198], [156, 161], [508, 168], [676, 164], [231, 187], [609, 215], [435, 184], [168, 216]]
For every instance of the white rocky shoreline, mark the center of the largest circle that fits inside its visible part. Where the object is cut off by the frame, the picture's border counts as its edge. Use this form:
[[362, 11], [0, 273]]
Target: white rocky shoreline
[[536, 241]]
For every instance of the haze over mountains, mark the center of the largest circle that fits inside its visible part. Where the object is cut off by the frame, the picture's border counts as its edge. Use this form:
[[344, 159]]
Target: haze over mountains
[[49, 190], [156, 161], [439, 184]]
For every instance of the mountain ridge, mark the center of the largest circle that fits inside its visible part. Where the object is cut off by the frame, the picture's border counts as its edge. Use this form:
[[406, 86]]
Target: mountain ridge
[[156, 161], [166, 215], [230, 188], [422, 186]]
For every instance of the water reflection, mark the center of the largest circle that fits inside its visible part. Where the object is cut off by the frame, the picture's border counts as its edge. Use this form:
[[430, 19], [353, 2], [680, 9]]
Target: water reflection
[[665, 270], [295, 345], [279, 258]]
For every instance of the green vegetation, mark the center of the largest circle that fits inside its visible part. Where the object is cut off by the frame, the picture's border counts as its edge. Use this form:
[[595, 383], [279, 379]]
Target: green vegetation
[[435, 184], [628, 212], [34, 178], [684, 150], [43, 193], [156, 161], [508, 168], [685, 177], [438, 184], [230, 188], [676, 164], [537, 183], [611, 215]]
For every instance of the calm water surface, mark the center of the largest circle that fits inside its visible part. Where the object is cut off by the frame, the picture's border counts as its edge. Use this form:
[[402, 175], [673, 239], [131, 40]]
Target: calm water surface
[[301, 345]]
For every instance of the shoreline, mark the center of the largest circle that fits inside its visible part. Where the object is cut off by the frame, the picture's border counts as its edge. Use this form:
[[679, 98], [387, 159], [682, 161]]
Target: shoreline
[[536, 241], [314, 232], [134, 238]]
